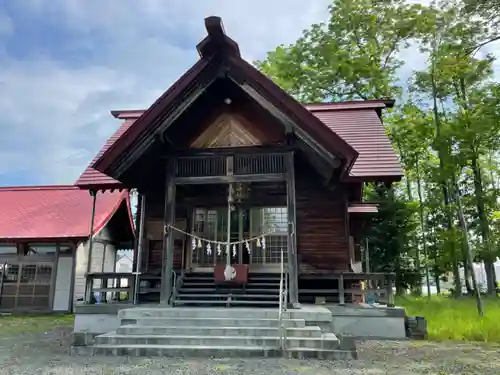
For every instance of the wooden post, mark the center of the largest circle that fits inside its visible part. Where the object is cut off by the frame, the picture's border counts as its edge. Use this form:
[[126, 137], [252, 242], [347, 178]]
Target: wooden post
[[168, 238], [89, 283], [390, 294], [341, 290], [292, 229], [137, 225], [139, 249]]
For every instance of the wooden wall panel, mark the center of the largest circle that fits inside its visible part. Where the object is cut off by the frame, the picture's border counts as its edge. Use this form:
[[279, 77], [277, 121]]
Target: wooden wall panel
[[322, 242]]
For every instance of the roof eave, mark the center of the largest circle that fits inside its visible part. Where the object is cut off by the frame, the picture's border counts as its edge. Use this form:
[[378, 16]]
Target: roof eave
[[102, 186], [373, 178]]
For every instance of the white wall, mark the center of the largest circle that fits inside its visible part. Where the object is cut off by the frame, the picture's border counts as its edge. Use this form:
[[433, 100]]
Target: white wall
[[62, 288], [124, 264], [103, 260]]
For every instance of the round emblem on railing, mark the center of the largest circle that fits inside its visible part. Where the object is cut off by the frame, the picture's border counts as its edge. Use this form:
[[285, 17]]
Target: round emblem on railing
[[229, 273]]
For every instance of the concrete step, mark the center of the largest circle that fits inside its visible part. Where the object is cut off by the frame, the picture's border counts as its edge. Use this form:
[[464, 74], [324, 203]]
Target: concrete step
[[227, 291], [219, 341], [134, 329], [207, 302], [217, 352], [211, 284], [225, 296], [216, 322], [312, 313]]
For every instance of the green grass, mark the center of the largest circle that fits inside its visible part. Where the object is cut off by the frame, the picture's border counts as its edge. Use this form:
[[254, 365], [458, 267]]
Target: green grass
[[456, 320], [18, 324]]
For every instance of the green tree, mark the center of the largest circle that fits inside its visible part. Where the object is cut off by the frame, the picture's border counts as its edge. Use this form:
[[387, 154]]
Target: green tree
[[389, 233], [352, 56]]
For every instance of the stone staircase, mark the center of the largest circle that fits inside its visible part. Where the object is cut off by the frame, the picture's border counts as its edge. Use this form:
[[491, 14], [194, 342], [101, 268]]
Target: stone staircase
[[219, 332], [199, 289]]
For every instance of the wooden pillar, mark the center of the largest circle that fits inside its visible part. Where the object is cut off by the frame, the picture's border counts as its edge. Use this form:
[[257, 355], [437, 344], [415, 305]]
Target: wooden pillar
[[140, 247], [168, 238], [292, 230], [88, 283], [137, 223]]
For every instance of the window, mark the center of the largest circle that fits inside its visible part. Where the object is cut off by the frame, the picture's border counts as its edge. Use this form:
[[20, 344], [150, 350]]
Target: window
[[272, 221], [8, 249], [40, 249]]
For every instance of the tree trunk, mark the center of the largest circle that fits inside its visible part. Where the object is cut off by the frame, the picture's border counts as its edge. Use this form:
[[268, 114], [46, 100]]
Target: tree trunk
[[417, 289], [488, 257], [467, 275], [424, 234], [465, 234], [437, 281], [444, 185]]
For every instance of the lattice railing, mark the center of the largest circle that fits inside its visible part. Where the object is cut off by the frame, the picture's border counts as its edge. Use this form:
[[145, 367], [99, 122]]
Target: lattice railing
[[237, 164]]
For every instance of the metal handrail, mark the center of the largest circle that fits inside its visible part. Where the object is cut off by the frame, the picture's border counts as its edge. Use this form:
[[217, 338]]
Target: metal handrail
[[282, 304], [171, 298]]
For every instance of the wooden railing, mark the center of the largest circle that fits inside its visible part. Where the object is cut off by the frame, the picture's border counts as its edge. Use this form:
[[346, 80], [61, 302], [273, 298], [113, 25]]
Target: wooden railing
[[355, 287], [108, 287], [237, 163]]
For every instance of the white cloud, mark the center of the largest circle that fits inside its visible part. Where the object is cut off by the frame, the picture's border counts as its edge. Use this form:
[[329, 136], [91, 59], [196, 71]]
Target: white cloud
[[55, 111], [56, 114]]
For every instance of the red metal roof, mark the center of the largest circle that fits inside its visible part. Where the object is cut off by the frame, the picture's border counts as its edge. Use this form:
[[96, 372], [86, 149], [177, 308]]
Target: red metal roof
[[45, 212], [357, 122], [92, 177], [362, 128]]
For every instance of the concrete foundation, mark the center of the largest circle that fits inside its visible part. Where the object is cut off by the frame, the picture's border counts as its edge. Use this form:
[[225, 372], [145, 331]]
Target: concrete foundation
[[364, 322]]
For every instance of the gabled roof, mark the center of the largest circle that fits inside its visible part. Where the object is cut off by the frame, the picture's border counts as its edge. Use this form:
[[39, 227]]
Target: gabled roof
[[58, 212], [220, 55], [357, 122]]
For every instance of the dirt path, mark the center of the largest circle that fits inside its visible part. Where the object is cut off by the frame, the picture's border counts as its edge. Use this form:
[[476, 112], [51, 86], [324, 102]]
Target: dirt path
[[46, 353]]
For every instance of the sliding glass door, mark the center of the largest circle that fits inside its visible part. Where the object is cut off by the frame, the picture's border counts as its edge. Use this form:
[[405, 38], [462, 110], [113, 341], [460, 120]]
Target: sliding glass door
[[211, 223]]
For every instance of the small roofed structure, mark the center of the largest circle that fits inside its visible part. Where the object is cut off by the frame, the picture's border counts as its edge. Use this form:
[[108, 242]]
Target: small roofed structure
[[44, 233]]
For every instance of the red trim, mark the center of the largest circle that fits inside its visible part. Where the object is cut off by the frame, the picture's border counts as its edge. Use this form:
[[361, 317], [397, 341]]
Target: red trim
[[17, 240], [130, 216], [350, 104], [39, 187]]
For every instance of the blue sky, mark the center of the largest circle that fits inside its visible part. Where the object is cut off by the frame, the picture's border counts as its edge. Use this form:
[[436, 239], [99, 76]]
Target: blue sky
[[67, 63]]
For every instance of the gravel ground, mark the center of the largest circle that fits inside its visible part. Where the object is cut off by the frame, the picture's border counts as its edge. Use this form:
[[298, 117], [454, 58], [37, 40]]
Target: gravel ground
[[46, 353]]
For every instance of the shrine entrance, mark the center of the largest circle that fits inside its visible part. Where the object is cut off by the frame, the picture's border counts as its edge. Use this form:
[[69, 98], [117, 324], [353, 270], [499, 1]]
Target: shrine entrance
[[257, 236]]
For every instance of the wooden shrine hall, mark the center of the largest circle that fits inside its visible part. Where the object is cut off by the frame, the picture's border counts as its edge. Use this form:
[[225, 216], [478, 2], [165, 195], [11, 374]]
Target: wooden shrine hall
[[243, 192]]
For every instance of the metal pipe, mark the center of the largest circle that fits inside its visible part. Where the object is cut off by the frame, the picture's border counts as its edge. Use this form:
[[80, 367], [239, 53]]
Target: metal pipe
[[227, 272], [280, 303], [88, 287], [140, 242]]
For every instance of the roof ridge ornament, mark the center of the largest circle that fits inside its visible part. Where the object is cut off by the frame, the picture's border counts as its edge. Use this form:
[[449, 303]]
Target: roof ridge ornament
[[216, 41]]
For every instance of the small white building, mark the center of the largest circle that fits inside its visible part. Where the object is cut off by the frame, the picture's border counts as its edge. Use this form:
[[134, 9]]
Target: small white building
[[124, 264], [44, 243]]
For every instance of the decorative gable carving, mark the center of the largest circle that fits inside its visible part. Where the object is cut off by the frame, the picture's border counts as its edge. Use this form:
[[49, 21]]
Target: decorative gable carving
[[226, 131]]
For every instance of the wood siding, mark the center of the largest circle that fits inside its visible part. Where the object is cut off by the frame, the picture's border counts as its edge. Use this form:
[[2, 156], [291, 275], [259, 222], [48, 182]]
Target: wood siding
[[322, 240]]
